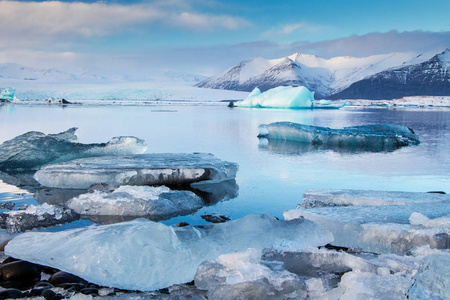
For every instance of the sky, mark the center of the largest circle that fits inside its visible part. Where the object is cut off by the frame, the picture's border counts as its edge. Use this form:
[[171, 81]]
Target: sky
[[207, 36]]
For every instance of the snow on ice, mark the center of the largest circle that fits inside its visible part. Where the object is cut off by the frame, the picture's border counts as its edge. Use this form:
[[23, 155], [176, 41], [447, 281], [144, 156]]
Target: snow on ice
[[148, 169], [158, 203], [34, 149], [144, 255], [279, 97], [362, 137]]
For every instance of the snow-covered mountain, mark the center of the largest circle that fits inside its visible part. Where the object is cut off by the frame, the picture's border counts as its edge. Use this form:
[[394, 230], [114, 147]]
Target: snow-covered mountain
[[429, 78], [326, 77]]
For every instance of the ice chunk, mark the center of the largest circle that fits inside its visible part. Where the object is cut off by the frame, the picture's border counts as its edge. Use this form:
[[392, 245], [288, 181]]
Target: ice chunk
[[34, 149], [432, 281], [380, 229], [157, 203], [329, 104], [7, 94], [365, 137], [279, 97], [170, 169], [241, 275], [33, 216], [323, 197], [144, 255]]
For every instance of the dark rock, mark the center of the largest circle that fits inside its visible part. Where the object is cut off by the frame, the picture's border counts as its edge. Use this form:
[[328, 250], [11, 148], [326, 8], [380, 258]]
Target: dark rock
[[9, 259], [64, 101], [437, 192], [182, 224], [3, 245], [215, 218], [7, 205], [62, 277], [19, 271], [75, 287], [57, 297], [89, 291], [48, 294], [164, 291], [49, 270], [336, 248], [231, 104], [11, 294], [40, 287]]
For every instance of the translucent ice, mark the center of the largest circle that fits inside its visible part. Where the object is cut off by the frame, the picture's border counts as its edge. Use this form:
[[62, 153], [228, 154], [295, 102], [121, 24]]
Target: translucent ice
[[364, 137], [168, 169], [34, 149], [145, 255], [157, 203], [378, 221], [432, 281], [279, 97]]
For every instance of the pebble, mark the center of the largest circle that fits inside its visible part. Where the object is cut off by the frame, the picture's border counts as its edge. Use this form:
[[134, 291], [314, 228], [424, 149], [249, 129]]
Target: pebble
[[11, 294], [63, 277]]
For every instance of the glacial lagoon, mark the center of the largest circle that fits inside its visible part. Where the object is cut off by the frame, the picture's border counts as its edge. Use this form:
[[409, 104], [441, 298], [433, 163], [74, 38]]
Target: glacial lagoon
[[271, 177]]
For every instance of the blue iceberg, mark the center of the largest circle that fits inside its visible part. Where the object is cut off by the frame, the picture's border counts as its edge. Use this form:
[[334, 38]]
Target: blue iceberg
[[279, 97], [7, 94]]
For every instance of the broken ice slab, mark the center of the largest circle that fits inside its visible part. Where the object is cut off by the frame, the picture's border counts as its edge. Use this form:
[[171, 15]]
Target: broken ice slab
[[156, 203], [432, 281], [324, 197], [44, 215], [381, 229], [305, 274], [33, 149], [383, 136], [144, 255], [169, 169]]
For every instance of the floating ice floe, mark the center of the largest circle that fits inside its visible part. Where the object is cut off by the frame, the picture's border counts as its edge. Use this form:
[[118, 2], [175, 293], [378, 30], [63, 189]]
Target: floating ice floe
[[157, 203], [33, 216], [7, 94], [34, 149], [329, 104], [144, 255], [170, 169], [364, 137], [379, 222], [305, 274], [279, 97]]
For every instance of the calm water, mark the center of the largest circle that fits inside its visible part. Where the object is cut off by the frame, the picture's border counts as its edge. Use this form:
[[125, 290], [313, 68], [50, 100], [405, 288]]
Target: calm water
[[270, 180]]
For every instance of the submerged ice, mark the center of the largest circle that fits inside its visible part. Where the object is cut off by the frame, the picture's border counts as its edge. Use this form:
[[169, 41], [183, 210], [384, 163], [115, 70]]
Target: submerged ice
[[34, 149], [364, 137], [156, 203], [144, 255], [170, 169], [279, 97]]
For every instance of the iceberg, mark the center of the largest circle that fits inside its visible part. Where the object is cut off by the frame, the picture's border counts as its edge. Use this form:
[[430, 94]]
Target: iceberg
[[145, 255], [34, 149], [382, 136], [7, 94], [157, 203], [380, 223], [169, 169], [279, 97]]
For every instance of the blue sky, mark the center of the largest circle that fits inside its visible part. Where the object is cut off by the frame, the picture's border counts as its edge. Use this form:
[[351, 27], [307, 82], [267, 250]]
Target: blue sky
[[205, 37]]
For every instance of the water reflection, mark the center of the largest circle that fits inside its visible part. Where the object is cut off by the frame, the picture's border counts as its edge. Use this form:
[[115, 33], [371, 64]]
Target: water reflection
[[286, 147]]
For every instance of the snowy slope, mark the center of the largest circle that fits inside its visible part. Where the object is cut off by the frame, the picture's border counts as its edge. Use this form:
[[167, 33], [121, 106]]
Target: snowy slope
[[414, 78], [324, 76]]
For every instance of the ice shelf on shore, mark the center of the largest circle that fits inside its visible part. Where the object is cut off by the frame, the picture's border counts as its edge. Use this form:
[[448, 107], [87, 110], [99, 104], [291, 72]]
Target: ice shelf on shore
[[157, 203], [34, 149], [170, 169], [324, 197], [33, 216], [279, 97], [144, 255], [364, 137], [377, 222]]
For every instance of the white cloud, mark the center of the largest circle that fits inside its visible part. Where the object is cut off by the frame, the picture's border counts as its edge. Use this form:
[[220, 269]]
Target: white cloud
[[34, 23], [297, 28]]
